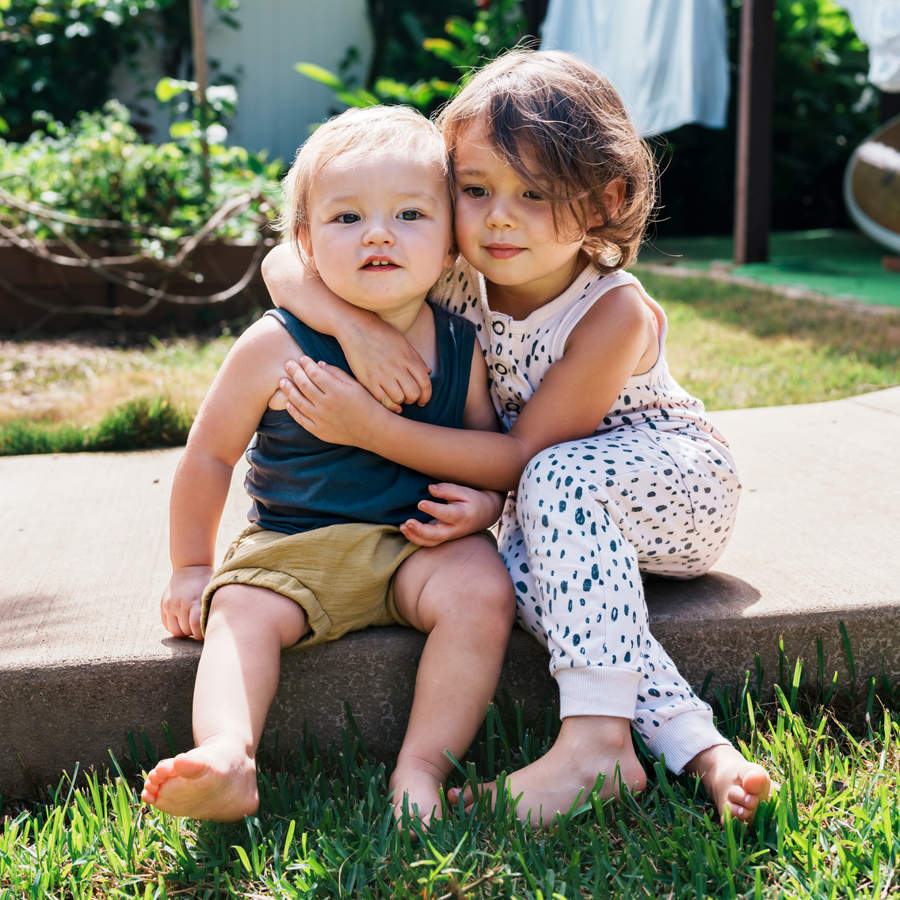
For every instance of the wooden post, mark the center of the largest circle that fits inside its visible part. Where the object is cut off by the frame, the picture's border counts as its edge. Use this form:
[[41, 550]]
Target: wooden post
[[535, 12], [753, 178], [201, 76], [890, 106]]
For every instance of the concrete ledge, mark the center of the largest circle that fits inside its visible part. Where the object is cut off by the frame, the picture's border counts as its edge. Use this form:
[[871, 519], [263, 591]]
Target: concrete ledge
[[83, 659]]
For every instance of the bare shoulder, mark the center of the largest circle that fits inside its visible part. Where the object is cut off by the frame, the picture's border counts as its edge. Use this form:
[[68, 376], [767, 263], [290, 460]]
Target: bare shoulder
[[620, 323], [619, 311], [262, 349]]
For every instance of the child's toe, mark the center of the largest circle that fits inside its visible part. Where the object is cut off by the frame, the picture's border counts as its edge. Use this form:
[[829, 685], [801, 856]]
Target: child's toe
[[756, 781]]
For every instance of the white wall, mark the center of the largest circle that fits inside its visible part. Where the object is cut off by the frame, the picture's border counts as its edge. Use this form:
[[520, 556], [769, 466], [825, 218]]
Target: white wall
[[276, 105]]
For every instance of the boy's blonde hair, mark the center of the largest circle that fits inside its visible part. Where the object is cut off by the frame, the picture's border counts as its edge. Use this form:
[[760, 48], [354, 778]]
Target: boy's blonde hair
[[563, 128], [371, 130]]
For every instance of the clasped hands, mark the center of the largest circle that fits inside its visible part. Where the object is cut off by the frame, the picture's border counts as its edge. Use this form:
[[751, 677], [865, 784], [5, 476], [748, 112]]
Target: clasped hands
[[336, 408]]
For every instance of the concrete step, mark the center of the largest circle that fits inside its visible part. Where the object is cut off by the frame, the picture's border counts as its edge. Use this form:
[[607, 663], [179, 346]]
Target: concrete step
[[84, 660]]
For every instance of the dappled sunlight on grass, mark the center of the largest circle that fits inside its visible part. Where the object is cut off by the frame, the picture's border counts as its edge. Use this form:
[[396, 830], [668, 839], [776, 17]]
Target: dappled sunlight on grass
[[736, 347]]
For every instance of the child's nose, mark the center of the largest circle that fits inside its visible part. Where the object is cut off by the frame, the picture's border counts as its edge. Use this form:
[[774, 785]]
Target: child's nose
[[500, 215], [378, 233]]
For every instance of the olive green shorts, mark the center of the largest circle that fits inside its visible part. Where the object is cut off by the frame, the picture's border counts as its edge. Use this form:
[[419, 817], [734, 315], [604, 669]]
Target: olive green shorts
[[342, 575]]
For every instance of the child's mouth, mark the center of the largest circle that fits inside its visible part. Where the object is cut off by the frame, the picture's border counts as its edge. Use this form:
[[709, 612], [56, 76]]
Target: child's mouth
[[379, 264], [502, 251]]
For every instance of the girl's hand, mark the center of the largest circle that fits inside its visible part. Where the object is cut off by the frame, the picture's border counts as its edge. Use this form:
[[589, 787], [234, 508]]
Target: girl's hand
[[328, 403], [464, 511], [180, 606], [386, 364]]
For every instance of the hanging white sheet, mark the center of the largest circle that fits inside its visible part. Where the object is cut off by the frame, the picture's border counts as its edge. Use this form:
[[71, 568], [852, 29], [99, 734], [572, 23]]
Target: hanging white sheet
[[667, 58], [877, 24]]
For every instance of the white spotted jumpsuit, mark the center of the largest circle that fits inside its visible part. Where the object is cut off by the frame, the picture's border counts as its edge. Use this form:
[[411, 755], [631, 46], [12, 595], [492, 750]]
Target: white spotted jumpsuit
[[654, 489]]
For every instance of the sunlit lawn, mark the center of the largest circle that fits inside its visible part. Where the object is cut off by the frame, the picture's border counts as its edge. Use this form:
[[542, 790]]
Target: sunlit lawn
[[325, 828], [731, 345]]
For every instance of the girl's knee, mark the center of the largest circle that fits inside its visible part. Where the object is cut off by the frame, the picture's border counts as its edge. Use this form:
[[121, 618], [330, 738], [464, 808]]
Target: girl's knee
[[541, 471]]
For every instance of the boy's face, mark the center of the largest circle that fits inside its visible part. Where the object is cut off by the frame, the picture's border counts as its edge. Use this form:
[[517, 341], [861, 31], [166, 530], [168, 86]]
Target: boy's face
[[505, 227], [380, 229]]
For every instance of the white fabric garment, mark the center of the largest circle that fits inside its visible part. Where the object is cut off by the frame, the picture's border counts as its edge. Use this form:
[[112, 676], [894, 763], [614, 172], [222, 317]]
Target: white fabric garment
[[877, 24], [667, 58]]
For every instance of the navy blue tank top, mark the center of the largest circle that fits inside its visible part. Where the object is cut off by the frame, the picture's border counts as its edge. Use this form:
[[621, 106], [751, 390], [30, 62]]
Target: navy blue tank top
[[298, 482]]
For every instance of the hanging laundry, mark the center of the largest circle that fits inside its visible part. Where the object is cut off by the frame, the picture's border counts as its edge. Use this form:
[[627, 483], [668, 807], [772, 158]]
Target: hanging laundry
[[877, 24], [668, 59]]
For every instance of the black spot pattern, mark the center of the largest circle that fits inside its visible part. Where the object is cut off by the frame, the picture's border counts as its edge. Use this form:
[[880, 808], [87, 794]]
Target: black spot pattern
[[655, 489]]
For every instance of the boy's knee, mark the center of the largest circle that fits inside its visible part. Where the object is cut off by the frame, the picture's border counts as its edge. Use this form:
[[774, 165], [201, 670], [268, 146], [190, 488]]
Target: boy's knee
[[498, 595], [231, 599], [487, 598], [257, 607]]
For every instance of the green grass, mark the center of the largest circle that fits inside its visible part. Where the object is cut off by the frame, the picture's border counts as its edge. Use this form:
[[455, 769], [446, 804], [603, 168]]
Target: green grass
[[133, 425], [737, 347], [827, 261], [326, 830], [732, 346]]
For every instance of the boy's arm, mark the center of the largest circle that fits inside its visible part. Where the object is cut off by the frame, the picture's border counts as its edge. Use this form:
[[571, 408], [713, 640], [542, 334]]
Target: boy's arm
[[460, 510], [227, 419], [381, 358]]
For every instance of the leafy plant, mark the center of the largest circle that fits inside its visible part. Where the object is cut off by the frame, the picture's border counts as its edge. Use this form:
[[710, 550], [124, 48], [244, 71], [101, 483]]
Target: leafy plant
[[221, 101], [56, 56], [104, 184], [497, 26]]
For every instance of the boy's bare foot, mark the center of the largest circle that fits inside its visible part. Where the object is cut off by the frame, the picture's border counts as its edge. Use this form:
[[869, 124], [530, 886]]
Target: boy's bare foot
[[418, 788], [731, 781], [216, 780], [587, 746]]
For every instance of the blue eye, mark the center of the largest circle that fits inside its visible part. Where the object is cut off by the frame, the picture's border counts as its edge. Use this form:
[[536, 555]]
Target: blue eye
[[346, 218], [410, 215]]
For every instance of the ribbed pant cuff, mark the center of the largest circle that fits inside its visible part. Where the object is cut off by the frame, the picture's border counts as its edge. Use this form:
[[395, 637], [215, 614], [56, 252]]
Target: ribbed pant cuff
[[684, 736], [597, 691]]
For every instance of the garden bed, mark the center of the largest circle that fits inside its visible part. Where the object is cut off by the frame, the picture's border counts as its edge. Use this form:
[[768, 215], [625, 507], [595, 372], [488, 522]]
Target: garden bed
[[29, 284]]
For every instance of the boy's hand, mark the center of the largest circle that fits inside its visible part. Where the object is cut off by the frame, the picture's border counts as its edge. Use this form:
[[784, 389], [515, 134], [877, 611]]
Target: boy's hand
[[180, 605], [386, 364], [464, 511], [329, 403]]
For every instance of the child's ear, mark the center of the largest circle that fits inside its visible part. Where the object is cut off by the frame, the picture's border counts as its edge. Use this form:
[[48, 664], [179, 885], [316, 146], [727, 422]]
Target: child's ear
[[613, 198], [304, 242]]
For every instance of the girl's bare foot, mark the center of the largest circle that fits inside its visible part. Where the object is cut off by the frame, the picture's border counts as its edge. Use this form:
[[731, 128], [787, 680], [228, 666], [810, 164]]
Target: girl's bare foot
[[731, 781], [587, 747], [417, 787], [216, 780]]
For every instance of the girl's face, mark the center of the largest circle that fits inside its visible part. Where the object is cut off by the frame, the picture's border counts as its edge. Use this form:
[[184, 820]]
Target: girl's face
[[505, 229]]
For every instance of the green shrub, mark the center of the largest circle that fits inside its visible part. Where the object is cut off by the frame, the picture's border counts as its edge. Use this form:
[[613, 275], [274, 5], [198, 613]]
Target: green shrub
[[57, 56], [134, 425], [99, 169], [497, 26]]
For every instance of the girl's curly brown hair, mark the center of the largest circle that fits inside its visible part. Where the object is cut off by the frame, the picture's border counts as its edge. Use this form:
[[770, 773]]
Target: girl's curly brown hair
[[563, 127]]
